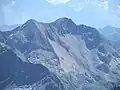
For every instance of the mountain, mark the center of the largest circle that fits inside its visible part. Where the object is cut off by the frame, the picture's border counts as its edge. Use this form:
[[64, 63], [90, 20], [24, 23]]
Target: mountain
[[78, 55], [112, 34], [8, 27]]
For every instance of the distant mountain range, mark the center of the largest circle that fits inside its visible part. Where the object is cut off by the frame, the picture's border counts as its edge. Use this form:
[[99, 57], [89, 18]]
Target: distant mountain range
[[112, 34], [57, 56], [8, 27]]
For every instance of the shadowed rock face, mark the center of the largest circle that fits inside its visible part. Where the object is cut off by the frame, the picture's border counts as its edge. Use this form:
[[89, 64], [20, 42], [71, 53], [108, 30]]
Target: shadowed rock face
[[14, 71], [116, 88], [91, 36], [1, 37], [102, 49]]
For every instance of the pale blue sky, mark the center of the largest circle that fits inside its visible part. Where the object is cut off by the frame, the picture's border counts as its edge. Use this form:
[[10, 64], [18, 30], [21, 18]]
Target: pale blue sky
[[97, 13]]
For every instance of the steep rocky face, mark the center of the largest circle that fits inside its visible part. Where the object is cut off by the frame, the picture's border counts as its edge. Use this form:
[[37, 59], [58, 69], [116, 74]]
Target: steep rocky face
[[2, 37], [79, 55], [16, 73], [116, 88]]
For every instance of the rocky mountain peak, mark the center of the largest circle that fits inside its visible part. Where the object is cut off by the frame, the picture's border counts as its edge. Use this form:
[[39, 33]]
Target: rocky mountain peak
[[62, 20], [31, 21], [77, 54]]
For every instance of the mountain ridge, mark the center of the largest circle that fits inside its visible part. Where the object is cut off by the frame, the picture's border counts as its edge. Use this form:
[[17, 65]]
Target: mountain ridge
[[112, 34], [77, 54], [18, 73]]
